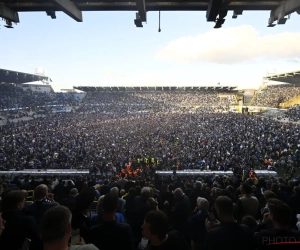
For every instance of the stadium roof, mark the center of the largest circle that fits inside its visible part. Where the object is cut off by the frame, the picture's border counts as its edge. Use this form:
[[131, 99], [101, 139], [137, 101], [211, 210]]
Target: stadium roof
[[166, 88], [9, 76], [216, 10], [290, 77]]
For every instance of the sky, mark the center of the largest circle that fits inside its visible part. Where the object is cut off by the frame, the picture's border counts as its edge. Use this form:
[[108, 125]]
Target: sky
[[106, 49]]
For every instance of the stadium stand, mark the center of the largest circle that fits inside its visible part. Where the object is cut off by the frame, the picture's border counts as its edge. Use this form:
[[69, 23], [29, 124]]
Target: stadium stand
[[148, 99], [16, 97], [274, 95]]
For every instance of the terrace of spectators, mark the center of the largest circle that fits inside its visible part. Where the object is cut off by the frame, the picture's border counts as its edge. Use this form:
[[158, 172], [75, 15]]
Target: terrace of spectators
[[281, 94], [274, 95], [154, 98], [19, 95]]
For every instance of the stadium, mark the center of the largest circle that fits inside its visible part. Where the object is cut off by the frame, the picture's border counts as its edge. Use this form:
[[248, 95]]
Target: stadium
[[181, 167]]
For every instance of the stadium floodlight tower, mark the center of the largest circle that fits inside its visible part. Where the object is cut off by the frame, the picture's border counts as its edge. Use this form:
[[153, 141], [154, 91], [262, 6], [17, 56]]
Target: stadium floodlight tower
[[279, 14]]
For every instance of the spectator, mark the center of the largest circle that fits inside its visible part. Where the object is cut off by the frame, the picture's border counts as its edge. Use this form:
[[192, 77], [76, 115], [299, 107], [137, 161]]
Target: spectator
[[41, 203], [248, 204], [70, 202], [197, 224], [250, 222], [18, 227], [229, 233], [122, 202], [155, 229], [180, 212], [280, 215], [110, 234], [56, 230], [98, 218]]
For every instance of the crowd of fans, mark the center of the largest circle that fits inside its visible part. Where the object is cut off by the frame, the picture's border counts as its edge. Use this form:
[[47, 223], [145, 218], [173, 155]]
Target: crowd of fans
[[273, 95], [13, 97], [293, 114], [111, 132], [189, 140], [102, 101], [150, 213]]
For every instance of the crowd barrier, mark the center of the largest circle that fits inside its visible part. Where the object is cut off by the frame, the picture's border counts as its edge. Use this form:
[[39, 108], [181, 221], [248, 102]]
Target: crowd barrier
[[35, 172], [74, 172], [191, 172]]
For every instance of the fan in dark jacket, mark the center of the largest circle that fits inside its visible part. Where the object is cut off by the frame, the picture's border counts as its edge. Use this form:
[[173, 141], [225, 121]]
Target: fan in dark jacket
[[196, 224], [18, 227]]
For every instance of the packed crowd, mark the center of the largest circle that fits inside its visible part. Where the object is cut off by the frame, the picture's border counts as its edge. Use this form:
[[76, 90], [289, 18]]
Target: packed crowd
[[273, 95], [154, 101], [13, 96], [293, 114], [207, 213], [146, 211], [188, 140]]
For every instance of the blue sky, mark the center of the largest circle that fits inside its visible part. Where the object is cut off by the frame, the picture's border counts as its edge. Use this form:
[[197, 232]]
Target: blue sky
[[107, 49]]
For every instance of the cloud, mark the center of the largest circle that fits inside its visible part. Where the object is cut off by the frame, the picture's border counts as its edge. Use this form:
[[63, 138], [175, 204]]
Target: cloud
[[232, 45]]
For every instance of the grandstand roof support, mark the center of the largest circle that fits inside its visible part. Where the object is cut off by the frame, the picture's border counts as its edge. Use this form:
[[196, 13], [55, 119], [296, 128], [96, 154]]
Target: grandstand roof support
[[226, 2], [137, 21], [141, 7], [9, 14], [69, 8], [51, 14], [213, 10], [283, 10]]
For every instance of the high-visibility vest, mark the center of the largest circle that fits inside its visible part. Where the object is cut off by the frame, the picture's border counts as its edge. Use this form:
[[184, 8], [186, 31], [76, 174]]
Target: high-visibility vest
[[255, 181]]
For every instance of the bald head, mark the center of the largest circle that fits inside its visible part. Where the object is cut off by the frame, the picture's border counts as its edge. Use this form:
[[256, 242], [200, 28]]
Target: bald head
[[41, 192]]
